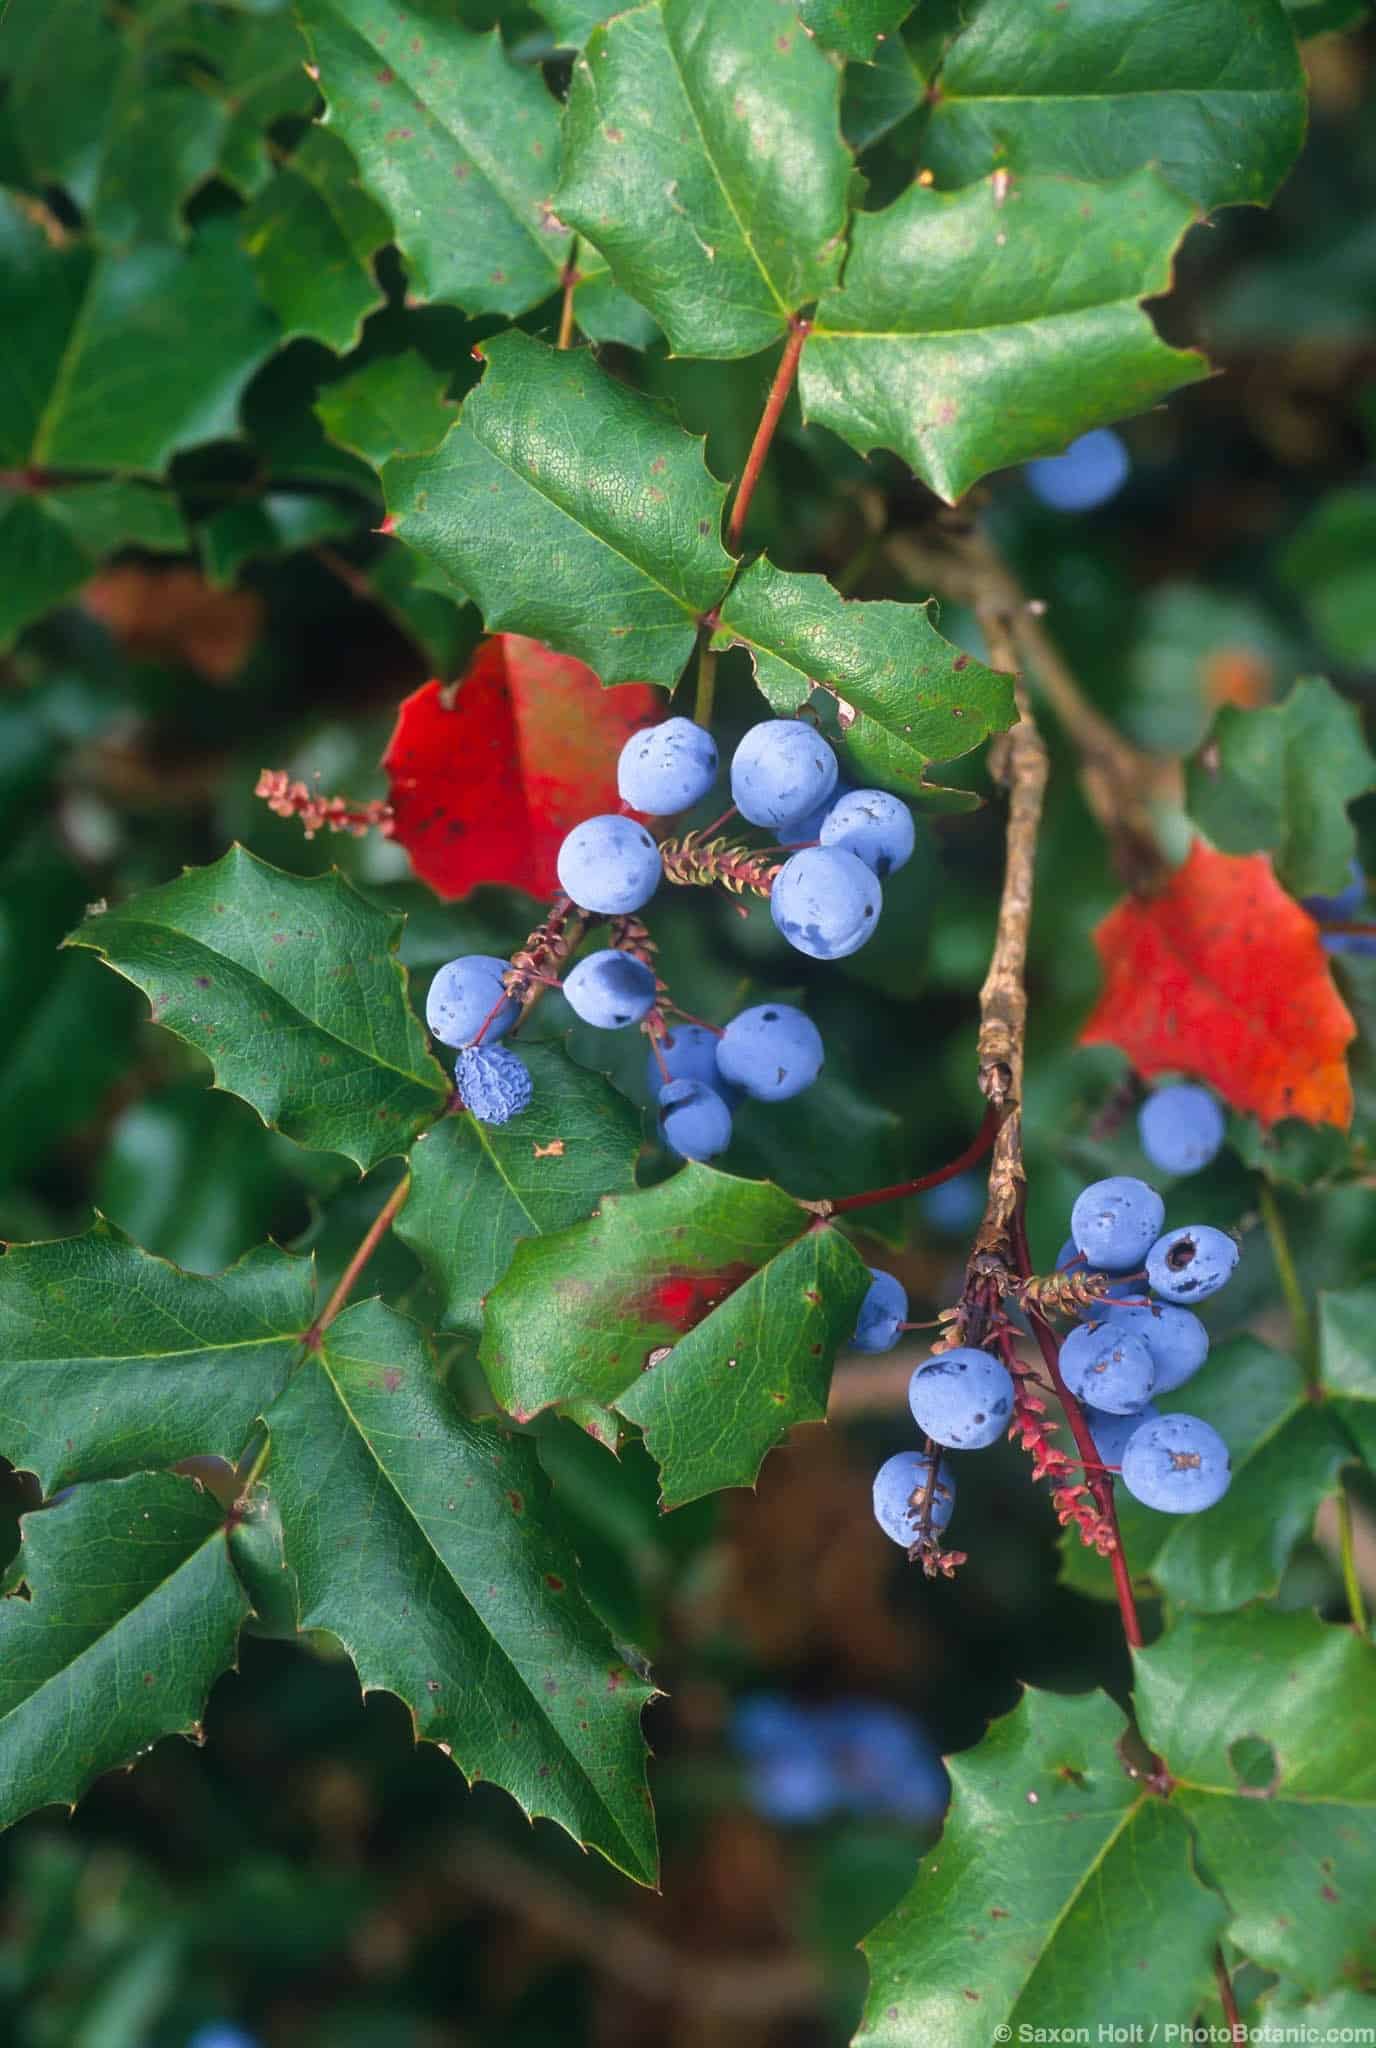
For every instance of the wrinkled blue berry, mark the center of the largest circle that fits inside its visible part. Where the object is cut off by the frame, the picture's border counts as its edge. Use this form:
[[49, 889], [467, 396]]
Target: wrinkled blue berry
[[495, 1084]]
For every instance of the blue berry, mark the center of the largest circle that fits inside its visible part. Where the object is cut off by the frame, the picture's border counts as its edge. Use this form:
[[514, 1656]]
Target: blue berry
[[696, 1123], [953, 1206], [461, 999], [1191, 1264], [899, 1487], [1349, 942], [1181, 1128], [1177, 1465], [1108, 1366], [763, 1722], [794, 1788], [1092, 470], [874, 826], [826, 902], [882, 1314], [782, 769], [1178, 1341], [689, 1053], [494, 1083], [610, 989], [609, 864], [801, 831], [962, 1398], [222, 2034], [1345, 904], [772, 1052], [1116, 1221], [667, 768], [882, 1760], [1113, 1433]]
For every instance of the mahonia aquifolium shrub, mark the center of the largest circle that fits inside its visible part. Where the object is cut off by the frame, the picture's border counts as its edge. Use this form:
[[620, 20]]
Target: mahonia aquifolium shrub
[[825, 898]]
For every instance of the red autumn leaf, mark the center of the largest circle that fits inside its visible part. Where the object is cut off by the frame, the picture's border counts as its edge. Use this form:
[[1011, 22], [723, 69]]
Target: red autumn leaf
[[1222, 976], [488, 775]]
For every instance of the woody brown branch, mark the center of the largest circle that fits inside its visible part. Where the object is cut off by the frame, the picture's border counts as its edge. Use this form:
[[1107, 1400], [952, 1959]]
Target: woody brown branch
[[1018, 759], [1121, 783]]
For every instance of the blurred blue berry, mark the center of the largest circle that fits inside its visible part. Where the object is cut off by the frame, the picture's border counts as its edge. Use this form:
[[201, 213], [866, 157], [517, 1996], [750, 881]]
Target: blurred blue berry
[[1092, 470]]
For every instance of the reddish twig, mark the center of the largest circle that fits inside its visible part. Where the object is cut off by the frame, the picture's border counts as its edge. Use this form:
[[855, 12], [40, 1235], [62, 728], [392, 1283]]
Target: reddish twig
[[971, 1156], [372, 1237], [1227, 1997], [322, 813], [798, 331]]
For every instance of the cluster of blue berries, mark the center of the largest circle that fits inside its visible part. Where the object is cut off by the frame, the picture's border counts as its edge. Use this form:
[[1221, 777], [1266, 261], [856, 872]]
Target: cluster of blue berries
[[1128, 1347], [863, 1757], [825, 899]]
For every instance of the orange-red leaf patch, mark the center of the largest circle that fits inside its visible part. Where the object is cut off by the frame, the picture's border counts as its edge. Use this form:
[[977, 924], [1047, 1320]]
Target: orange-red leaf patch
[[1222, 976], [487, 776]]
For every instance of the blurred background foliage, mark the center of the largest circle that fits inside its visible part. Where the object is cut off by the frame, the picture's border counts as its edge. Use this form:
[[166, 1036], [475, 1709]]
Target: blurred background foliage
[[311, 1876]]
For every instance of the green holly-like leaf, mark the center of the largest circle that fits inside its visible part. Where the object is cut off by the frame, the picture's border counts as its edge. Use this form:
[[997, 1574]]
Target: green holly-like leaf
[[53, 538], [1029, 1912], [434, 621], [92, 114], [1279, 780], [133, 1612], [705, 1309], [1287, 1452], [291, 987], [428, 1545], [477, 1189], [278, 523], [459, 144], [1098, 91], [573, 21], [703, 157], [853, 27], [393, 406], [313, 236], [1328, 565], [250, 68], [1268, 1725], [558, 481], [118, 362], [112, 1360], [1345, 1325], [905, 696], [978, 328]]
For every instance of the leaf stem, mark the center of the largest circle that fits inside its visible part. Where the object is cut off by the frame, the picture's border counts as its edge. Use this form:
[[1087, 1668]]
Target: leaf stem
[[1352, 1584], [372, 1237], [1227, 1997], [1301, 1322], [798, 331], [973, 1153], [570, 280], [705, 697]]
